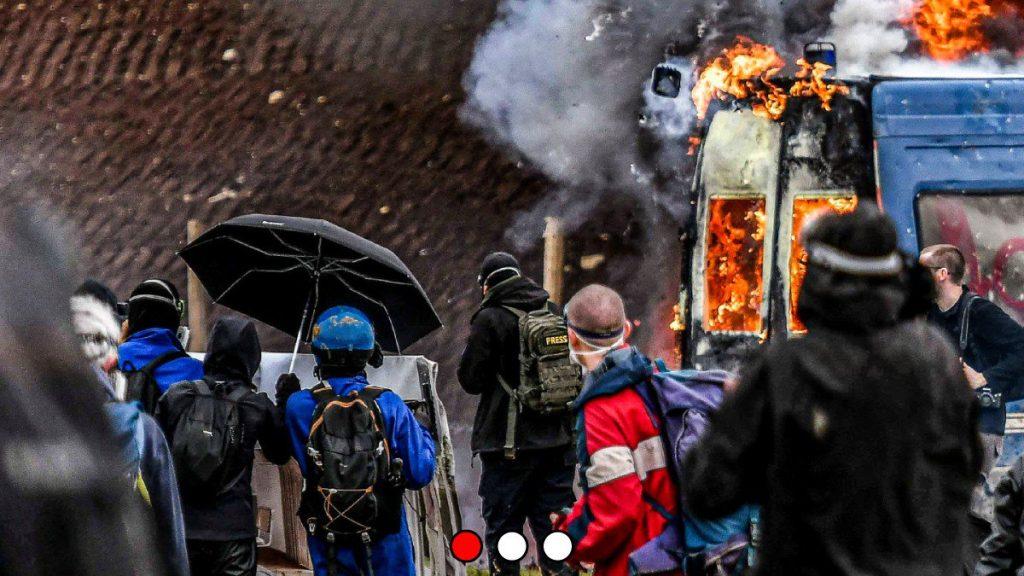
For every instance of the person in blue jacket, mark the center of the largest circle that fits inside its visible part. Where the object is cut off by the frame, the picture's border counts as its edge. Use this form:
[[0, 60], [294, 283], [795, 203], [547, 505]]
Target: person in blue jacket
[[346, 333], [154, 314]]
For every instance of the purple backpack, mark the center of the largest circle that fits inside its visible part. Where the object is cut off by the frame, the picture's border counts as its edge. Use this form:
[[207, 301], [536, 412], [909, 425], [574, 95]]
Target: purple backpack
[[682, 401]]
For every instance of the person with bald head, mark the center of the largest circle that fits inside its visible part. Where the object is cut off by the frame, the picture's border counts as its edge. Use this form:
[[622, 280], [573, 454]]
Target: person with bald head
[[628, 492]]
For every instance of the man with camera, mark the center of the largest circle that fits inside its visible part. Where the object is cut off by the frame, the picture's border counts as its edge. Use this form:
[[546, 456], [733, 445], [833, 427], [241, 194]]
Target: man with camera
[[991, 346]]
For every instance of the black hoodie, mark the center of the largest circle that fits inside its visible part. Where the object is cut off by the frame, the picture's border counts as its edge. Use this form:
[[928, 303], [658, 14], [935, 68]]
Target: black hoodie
[[493, 348], [232, 357]]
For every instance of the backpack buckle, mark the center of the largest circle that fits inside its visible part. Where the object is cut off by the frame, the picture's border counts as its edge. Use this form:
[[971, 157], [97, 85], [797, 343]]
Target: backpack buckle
[[315, 455], [311, 524]]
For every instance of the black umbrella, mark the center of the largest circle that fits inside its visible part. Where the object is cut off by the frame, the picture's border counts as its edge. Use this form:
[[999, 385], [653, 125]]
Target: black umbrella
[[284, 271]]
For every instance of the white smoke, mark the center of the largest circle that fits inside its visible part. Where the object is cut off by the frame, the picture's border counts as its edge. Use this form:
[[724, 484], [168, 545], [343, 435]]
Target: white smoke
[[871, 38], [867, 35], [539, 84]]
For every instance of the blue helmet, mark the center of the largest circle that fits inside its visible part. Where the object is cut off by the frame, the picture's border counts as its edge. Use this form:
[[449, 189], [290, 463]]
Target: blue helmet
[[342, 328]]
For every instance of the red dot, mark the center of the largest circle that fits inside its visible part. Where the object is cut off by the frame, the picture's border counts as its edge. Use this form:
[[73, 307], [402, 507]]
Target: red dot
[[467, 546]]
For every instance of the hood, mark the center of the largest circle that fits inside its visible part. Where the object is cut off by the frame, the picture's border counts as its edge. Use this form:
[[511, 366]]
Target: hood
[[518, 292], [343, 385], [234, 350], [619, 369], [700, 390], [144, 346], [849, 304]]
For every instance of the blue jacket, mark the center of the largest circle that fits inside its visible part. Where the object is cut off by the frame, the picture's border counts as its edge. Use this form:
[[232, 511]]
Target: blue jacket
[[145, 453], [393, 554], [146, 345]]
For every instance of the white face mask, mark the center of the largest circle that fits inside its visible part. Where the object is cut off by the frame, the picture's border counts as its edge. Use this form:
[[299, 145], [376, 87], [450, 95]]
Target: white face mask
[[574, 355]]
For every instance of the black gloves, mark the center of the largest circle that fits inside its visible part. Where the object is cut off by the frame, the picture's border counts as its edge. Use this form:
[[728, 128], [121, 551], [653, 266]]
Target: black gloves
[[287, 384]]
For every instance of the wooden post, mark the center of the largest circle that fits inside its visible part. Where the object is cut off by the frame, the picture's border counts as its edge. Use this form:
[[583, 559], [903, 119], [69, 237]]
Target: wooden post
[[295, 544], [554, 258], [198, 301]]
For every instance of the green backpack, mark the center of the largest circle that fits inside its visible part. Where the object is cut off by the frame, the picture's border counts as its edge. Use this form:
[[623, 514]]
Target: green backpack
[[549, 382]]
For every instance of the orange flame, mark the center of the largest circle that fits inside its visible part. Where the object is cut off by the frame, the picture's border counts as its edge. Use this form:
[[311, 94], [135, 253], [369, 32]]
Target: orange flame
[[951, 29], [743, 71], [694, 144], [811, 82], [805, 207], [734, 259]]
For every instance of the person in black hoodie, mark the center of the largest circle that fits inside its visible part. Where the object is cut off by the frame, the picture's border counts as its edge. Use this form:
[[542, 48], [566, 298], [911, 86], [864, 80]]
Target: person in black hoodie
[[221, 528], [859, 439], [537, 480]]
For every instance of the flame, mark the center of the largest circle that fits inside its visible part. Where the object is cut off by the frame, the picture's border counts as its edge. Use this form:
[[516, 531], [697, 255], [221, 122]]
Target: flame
[[811, 82], [951, 29], [733, 264], [743, 71], [805, 207], [694, 144]]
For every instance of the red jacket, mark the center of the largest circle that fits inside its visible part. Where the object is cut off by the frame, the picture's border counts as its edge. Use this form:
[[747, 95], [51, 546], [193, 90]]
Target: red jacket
[[627, 490]]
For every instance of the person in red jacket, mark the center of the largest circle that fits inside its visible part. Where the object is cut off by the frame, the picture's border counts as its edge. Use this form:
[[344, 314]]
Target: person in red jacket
[[628, 495]]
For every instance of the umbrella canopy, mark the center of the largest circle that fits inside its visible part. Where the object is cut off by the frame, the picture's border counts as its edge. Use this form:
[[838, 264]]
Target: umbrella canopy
[[284, 271]]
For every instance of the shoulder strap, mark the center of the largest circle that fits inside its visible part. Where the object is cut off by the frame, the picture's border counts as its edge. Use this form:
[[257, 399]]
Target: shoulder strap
[[161, 360], [513, 398], [965, 321], [322, 391], [519, 313], [202, 387], [238, 393], [372, 392]]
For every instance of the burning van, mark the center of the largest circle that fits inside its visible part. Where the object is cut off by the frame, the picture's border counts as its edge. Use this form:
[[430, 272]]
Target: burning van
[[943, 157]]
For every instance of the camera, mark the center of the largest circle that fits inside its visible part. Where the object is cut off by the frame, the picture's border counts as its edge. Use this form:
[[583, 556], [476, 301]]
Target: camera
[[989, 399]]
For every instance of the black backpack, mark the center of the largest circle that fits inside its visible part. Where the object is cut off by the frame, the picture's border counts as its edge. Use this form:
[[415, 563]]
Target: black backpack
[[141, 385], [549, 382], [209, 439], [353, 491]]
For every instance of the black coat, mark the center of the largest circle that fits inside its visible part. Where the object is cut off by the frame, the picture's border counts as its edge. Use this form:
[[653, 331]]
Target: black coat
[[493, 348], [861, 448], [232, 357], [1002, 553], [995, 347]]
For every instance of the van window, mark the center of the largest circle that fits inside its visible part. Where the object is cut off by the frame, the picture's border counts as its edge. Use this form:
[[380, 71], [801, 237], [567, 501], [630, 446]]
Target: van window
[[989, 229], [733, 263], [805, 206]]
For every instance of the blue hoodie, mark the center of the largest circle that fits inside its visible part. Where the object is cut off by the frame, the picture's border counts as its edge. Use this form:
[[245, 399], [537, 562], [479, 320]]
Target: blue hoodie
[[146, 345], [392, 554]]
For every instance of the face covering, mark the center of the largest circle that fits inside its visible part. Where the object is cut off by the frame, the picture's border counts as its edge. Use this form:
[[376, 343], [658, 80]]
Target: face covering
[[574, 356]]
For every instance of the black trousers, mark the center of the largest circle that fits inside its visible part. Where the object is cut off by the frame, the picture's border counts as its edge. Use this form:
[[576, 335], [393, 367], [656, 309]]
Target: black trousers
[[228, 558], [527, 489]]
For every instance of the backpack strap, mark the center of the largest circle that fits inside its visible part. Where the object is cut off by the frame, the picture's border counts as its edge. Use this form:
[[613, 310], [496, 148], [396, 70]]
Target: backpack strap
[[965, 321], [161, 360], [202, 387], [238, 393], [513, 399]]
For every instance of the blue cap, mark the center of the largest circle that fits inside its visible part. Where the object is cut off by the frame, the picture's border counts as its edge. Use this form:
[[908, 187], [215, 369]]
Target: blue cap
[[343, 328]]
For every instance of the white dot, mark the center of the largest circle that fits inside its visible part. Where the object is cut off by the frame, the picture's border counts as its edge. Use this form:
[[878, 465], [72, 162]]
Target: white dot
[[557, 546], [512, 546]]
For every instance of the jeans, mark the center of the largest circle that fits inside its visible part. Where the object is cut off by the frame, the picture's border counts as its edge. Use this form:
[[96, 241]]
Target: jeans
[[527, 489]]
